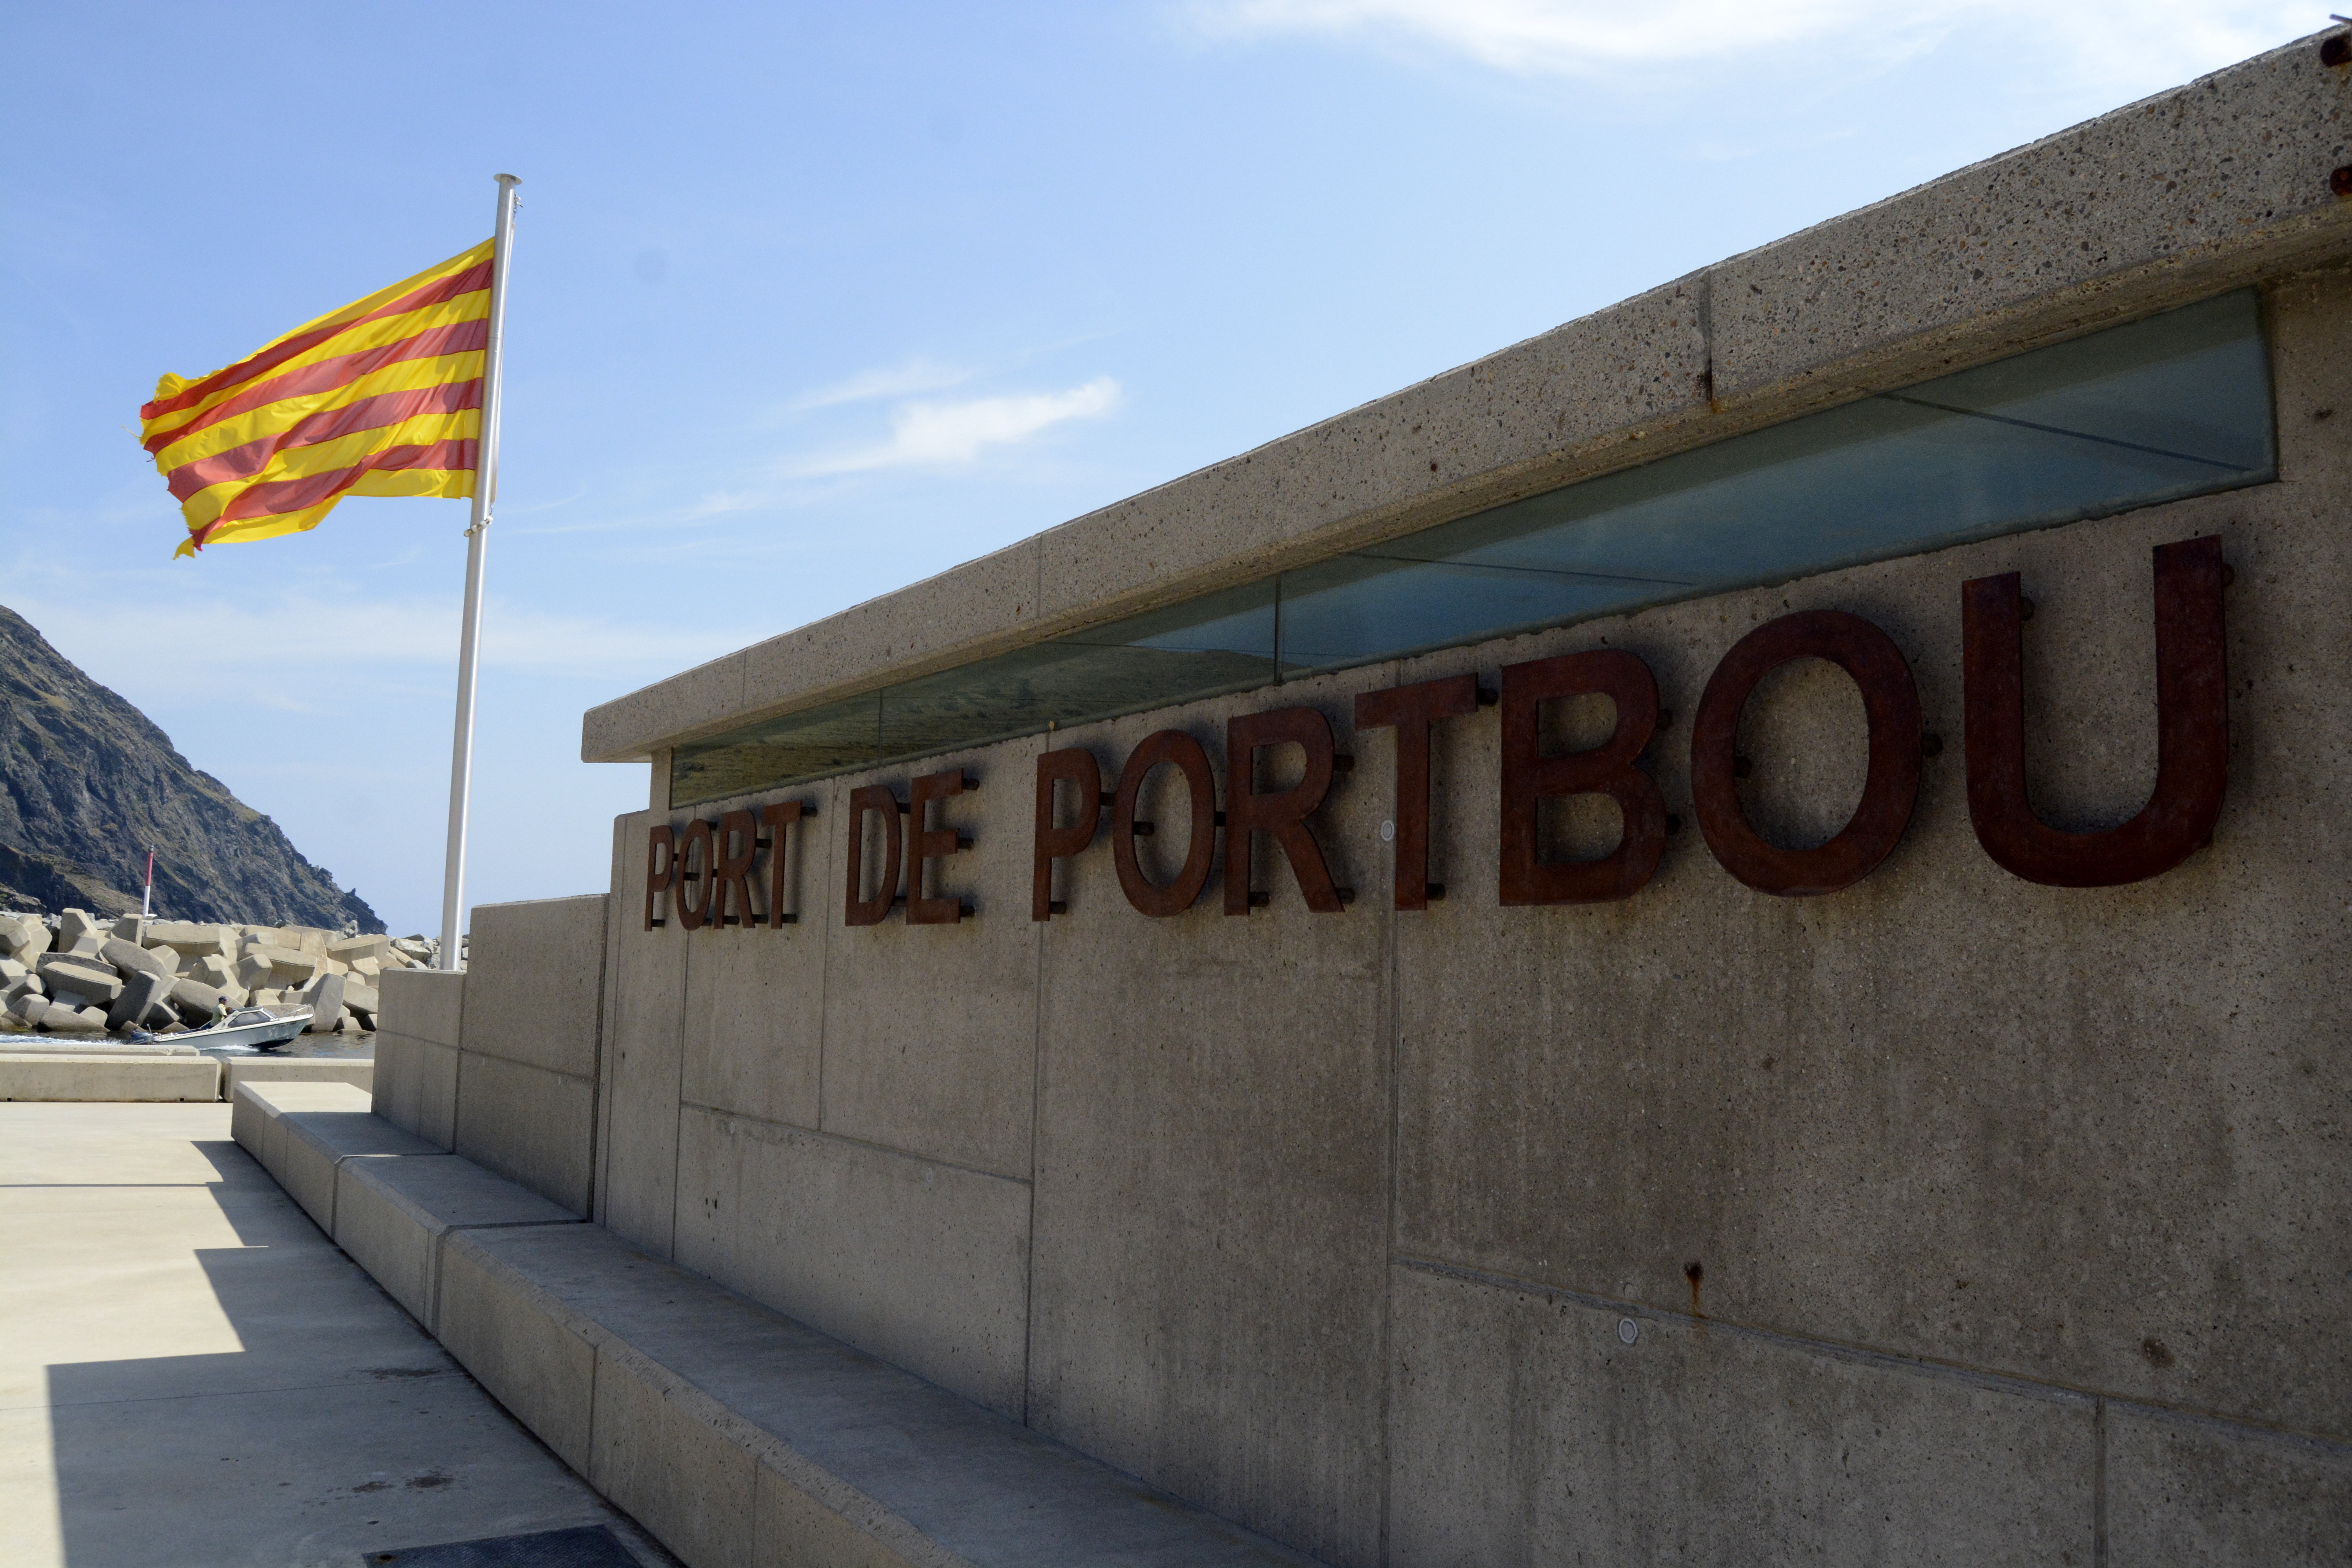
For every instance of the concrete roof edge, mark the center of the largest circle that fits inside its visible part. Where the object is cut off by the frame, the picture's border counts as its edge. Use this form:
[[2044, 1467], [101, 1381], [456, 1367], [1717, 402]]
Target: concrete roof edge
[[2115, 217]]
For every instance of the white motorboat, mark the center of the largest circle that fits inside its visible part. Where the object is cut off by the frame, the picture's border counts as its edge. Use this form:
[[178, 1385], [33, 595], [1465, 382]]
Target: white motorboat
[[261, 1028]]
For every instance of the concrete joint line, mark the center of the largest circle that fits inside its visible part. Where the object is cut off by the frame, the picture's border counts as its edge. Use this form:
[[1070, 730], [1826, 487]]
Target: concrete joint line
[[797, 1131], [2099, 1485], [1860, 1355]]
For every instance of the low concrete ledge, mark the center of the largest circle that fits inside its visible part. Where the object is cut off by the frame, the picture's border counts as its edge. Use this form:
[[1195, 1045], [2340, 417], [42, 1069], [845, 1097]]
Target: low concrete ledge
[[315, 1143], [235, 1070], [733, 1434], [736, 1435], [257, 1112], [94, 1046], [392, 1215], [385, 1195], [106, 1075]]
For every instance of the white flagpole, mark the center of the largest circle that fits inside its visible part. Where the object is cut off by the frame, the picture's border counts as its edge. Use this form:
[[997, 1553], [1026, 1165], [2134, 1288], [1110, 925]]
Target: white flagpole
[[485, 490]]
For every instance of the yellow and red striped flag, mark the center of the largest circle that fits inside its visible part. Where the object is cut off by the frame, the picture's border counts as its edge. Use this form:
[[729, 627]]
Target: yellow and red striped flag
[[383, 397]]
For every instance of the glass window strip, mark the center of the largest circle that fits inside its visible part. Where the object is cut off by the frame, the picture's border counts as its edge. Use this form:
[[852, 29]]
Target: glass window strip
[[2156, 410]]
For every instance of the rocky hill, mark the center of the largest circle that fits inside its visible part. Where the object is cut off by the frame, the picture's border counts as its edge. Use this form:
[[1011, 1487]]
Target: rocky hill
[[87, 783]]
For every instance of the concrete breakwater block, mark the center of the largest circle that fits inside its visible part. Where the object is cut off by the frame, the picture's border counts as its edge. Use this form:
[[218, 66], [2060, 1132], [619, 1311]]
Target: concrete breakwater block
[[171, 975], [101, 1074]]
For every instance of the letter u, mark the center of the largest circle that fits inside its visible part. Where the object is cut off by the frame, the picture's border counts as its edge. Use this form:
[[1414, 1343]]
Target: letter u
[[2192, 766]]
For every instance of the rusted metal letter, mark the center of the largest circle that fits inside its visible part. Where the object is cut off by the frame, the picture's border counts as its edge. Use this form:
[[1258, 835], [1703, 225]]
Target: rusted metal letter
[[871, 800], [1283, 814], [697, 855], [1180, 752], [1413, 711], [1076, 767], [735, 843], [661, 874], [2192, 732], [1610, 768], [779, 818], [1890, 699], [926, 843]]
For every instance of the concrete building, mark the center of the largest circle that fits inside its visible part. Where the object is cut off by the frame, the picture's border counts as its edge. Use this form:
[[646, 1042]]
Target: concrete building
[[1720, 937]]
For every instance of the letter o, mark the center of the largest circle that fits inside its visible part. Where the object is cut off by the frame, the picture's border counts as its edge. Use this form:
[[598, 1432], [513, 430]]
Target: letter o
[[1180, 752], [1890, 700]]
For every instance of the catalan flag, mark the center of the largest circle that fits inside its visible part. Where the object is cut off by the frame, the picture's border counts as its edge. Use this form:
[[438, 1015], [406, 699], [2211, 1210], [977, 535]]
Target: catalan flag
[[383, 397]]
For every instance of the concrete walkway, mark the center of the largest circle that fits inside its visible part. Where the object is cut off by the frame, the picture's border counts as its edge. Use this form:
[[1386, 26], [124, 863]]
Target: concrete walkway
[[190, 1374]]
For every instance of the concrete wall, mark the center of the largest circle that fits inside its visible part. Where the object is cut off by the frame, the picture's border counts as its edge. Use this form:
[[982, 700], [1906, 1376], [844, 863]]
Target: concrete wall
[[500, 1064], [1948, 1218]]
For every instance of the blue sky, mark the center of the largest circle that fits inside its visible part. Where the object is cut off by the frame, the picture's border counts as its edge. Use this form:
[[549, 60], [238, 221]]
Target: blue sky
[[809, 301]]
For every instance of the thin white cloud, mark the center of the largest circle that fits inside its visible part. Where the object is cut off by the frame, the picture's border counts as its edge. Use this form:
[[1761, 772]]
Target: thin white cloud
[[918, 374], [2107, 39], [935, 433]]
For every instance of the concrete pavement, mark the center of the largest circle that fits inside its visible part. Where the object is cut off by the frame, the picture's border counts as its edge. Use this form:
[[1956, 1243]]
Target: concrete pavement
[[190, 1374]]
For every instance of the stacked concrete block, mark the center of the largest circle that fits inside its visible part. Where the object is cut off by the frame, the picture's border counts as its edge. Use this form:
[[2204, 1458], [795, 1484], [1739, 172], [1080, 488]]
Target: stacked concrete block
[[129, 956], [193, 999], [86, 978], [267, 963], [142, 999], [325, 996], [79, 932], [191, 939], [70, 971], [354, 950], [24, 938]]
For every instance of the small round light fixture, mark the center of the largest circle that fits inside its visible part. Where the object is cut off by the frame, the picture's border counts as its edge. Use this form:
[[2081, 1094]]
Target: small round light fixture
[[1388, 832], [1628, 1331]]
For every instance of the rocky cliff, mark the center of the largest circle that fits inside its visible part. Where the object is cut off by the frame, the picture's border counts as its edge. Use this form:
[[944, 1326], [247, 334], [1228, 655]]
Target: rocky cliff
[[87, 783]]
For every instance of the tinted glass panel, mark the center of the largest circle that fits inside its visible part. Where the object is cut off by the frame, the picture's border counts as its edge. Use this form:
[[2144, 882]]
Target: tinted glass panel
[[2150, 412], [813, 743], [2175, 406]]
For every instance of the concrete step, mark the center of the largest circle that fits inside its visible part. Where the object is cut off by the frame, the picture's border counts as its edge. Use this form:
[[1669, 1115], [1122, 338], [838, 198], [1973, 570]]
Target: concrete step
[[733, 1434], [234, 1070]]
